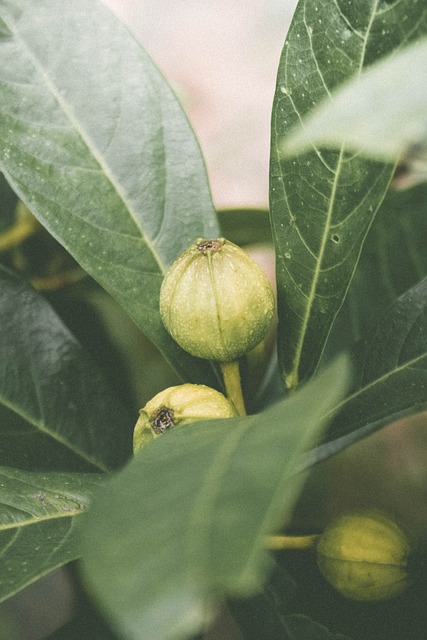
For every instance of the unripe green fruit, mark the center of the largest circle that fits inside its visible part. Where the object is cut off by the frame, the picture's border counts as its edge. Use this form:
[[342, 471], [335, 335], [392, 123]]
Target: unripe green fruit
[[364, 557], [179, 405], [215, 301]]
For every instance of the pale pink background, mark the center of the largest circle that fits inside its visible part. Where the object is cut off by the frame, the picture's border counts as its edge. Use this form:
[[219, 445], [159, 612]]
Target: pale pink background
[[221, 57]]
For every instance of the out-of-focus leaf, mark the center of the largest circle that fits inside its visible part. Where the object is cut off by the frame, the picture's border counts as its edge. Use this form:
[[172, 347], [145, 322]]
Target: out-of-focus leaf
[[267, 614], [38, 523], [56, 410], [7, 204], [245, 226], [382, 113], [393, 381], [299, 627], [323, 202], [183, 525], [260, 619], [94, 142], [263, 614]]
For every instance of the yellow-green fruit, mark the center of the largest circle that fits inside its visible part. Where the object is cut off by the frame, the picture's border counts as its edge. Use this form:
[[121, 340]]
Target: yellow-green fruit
[[364, 556], [215, 301], [179, 405]]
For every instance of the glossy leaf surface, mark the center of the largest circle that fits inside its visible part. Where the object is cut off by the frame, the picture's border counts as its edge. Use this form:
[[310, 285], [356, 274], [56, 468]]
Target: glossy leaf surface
[[323, 203], [184, 523], [56, 410], [356, 112], [39, 513], [94, 142]]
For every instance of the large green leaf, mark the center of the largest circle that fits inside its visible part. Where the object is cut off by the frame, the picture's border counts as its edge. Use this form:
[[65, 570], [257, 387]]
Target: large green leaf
[[267, 614], [183, 524], [393, 380], [322, 203], [56, 410], [360, 112], [95, 143], [39, 513], [394, 259]]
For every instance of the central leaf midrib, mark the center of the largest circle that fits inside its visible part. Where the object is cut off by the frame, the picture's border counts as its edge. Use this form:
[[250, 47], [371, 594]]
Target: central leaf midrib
[[80, 131], [293, 376], [42, 428], [35, 520]]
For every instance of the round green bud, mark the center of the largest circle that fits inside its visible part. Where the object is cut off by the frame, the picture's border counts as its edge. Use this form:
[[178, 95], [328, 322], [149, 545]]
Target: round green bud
[[364, 556], [179, 405], [215, 301]]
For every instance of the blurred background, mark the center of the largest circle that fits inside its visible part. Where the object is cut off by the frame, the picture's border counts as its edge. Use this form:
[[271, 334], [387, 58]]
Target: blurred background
[[221, 58]]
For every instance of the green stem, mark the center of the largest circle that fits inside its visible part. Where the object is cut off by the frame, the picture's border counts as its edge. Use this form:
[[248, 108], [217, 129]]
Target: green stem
[[291, 542], [233, 387], [16, 234]]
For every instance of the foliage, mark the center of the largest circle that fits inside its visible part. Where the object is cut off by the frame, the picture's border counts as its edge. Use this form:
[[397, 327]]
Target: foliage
[[102, 187]]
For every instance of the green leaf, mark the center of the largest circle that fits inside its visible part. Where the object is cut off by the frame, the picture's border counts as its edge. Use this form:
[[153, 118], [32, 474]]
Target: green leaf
[[267, 614], [393, 382], [280, 626], [83, 628], [7, 204], [93, 140], [301, 627], [183, 524], [56, 410], [382, 113], [39, 513], [263, 614], [245, 226], [394, 259], [323, 203]]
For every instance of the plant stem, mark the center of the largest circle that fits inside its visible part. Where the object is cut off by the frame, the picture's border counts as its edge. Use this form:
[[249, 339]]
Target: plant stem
[[24, 227], [291, 542], [233, 387]]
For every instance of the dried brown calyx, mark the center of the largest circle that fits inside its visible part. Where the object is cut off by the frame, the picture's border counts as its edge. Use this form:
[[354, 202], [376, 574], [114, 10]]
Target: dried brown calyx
[[163, 420], [179, 405], [210, 245]]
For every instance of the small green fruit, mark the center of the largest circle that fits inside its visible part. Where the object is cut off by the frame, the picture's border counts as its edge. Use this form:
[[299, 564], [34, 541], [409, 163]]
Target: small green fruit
[[364, 557], [215, 301], [179, 405]]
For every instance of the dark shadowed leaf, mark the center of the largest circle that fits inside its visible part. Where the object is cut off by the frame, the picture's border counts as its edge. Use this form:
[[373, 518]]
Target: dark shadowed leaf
[[322, 203], [393, 380], [7, 204], [56, 410], [267, 614], [39, 513], [245, 226], [394, 259], [183, 524], [95, 143]]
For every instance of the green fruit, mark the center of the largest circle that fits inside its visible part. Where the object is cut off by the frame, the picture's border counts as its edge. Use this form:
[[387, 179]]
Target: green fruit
[[215, 301], [364, 557], [176, 406]]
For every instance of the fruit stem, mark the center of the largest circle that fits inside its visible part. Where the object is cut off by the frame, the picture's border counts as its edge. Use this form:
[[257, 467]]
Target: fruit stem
[[291, 542], [233, 387]]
